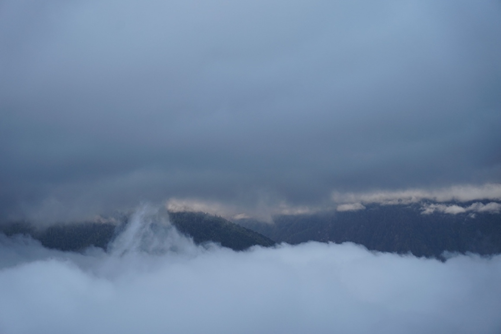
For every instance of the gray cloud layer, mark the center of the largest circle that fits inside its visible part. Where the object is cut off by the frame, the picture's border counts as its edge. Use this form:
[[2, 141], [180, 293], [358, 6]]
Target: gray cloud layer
[[105, 103], [163, 283]]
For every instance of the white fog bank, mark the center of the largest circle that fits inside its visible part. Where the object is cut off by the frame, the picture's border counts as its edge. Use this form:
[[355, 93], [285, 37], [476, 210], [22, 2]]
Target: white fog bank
[[173, 286]]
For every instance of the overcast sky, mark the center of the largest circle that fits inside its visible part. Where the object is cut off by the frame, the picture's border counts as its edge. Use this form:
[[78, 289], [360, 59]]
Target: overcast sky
[[104, 104]]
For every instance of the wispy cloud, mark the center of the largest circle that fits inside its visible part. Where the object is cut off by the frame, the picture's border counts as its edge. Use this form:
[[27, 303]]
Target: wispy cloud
[[491, 191], [264, 210], [491, 207], [350, 207]]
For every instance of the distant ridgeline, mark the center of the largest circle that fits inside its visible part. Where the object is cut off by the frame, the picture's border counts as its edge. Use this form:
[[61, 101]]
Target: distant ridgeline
[[79, 236], [65, 237], [391, 228], [387, 228]]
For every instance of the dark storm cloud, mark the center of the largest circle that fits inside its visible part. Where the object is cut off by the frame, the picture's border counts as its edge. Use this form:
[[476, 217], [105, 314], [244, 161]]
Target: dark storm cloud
[[164, 283], [104, 103]]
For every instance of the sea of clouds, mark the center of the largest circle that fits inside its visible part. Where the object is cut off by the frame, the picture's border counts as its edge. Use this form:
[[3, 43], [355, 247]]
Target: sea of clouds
[[154, 280]]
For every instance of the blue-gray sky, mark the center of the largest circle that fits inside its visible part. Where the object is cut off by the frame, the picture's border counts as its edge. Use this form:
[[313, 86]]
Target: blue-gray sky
[[107, 103]]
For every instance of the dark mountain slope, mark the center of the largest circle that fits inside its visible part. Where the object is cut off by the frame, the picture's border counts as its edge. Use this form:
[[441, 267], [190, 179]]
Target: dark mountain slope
[[391, 228], [79, 236], [66, 237], [204, 227]]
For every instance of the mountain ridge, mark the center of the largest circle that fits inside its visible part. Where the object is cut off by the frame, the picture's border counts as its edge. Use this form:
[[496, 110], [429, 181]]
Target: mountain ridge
[[78, 236], [391, 228]]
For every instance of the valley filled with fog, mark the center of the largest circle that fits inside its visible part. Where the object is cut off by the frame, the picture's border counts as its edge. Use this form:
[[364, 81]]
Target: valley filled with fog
[[163, 282]]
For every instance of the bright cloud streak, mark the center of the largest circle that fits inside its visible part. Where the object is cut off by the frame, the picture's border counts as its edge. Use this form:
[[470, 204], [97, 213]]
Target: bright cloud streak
[[491, 191], [491, 207], [350, 207]]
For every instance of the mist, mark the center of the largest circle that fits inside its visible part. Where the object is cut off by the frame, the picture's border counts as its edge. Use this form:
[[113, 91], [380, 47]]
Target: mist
[[161, 282]]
